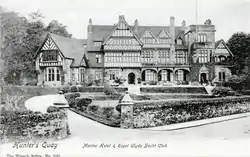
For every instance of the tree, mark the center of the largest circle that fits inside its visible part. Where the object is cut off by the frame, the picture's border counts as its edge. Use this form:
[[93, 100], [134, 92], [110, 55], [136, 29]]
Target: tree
[[21, 38], [239, 44], [58, 28]]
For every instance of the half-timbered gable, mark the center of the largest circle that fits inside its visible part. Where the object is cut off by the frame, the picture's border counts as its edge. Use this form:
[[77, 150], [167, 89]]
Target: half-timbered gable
[[164, 37], [122, 38], [148, 37], [59, 58], [222, 52], [49, 53], [122, 47]]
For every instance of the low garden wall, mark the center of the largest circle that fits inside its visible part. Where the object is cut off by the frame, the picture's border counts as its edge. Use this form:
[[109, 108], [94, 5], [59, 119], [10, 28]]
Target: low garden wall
[[16, 125], [200, 90], [160, 113]]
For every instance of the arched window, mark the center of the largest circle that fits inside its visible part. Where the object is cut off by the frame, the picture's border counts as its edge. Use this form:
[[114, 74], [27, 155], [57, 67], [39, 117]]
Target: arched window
[[179, 75]]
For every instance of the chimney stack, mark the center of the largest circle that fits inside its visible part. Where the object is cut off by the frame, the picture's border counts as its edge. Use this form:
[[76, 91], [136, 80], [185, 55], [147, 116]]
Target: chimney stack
[[121, 17], [172, 29], [90, 36], [136, 29]]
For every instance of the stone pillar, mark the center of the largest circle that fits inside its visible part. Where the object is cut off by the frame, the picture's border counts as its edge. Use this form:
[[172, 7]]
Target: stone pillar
[[127, 110]]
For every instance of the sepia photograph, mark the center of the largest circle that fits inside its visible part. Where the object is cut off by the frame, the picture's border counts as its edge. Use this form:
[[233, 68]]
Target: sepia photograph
[[110, 78]]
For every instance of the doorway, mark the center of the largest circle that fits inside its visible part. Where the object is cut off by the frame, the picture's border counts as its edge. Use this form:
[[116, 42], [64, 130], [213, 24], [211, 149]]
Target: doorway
[[203, 78], [131, 78]]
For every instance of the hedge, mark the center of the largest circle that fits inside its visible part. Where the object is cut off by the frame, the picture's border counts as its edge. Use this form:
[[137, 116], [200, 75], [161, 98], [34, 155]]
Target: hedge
[[70, 97], [100, 89], [159, 113], [200, 90]]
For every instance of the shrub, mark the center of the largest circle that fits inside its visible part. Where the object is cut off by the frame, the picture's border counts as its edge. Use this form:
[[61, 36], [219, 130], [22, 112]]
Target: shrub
[[97, 82], [184, 82], [73, 89], [90, 83], [82, 102], [222, 91], [93, 108], [152, 82], [139, 80], [238, 83], [118, 108], [106, 112], [166, 89], [245, 92], [52, 109], [65, 89], [70, 97], [119, 80]]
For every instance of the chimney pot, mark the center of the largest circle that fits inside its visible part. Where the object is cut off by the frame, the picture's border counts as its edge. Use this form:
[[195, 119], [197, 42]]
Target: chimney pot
[[136, 30], [121, 17]]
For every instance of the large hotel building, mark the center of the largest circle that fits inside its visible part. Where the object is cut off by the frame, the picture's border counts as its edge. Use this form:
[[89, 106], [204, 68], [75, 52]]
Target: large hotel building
[[172, 54]]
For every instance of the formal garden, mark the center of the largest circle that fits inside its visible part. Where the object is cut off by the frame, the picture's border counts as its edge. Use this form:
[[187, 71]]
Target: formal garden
[[154, 106]]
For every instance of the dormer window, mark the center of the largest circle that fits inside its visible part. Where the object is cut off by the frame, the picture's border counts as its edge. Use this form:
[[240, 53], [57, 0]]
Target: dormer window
[[50, 55], [179, 42]]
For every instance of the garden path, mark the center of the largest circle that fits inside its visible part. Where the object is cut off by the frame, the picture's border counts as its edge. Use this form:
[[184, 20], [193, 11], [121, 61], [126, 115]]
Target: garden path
[[231, 138]]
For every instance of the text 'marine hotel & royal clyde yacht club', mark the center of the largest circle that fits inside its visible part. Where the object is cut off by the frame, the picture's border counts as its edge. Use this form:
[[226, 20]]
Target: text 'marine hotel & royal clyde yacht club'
[[174, 53]]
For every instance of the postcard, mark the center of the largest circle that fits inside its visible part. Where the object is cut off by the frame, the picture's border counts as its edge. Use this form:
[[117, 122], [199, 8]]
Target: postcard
[[95, 78]]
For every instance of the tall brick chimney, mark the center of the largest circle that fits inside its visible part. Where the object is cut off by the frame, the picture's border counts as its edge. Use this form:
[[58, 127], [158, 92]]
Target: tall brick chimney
[[172, 47], [121, 17], [136, 29], [90, 36], [172, 29]]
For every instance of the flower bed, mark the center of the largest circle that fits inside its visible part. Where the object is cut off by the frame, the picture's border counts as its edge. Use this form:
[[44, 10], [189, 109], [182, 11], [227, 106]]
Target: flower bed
[[84, 107], [159, 113], [100, 116], [28, 125], [200, 90]]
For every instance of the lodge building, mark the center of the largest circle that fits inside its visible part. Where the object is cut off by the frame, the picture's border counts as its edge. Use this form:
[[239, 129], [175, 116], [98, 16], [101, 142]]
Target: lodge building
[[148, 53]]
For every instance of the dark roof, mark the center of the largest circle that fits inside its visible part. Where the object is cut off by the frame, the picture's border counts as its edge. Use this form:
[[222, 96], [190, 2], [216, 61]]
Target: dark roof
[[217, 43], [101, 32], [71, 48]]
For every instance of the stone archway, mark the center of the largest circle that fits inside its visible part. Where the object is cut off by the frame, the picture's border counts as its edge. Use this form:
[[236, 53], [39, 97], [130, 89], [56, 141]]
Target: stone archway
[[131, 78]]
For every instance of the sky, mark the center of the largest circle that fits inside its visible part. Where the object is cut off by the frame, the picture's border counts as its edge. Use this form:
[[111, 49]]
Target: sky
[[229, 16]]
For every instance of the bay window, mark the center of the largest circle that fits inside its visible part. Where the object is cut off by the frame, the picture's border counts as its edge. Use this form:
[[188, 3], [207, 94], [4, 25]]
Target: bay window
[[52, 74]]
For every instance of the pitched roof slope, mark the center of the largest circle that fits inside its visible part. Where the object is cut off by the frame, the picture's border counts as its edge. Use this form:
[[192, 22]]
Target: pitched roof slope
[[101, 32], [71, 48], [217, 43]]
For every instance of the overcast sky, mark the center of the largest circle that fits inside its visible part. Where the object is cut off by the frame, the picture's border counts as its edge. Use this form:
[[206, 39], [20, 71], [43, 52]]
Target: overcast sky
[[229, 16]]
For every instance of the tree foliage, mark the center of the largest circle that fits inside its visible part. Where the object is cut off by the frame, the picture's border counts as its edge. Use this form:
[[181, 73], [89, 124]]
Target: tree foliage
[[239, 44], [21, 38], [58, 28]]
